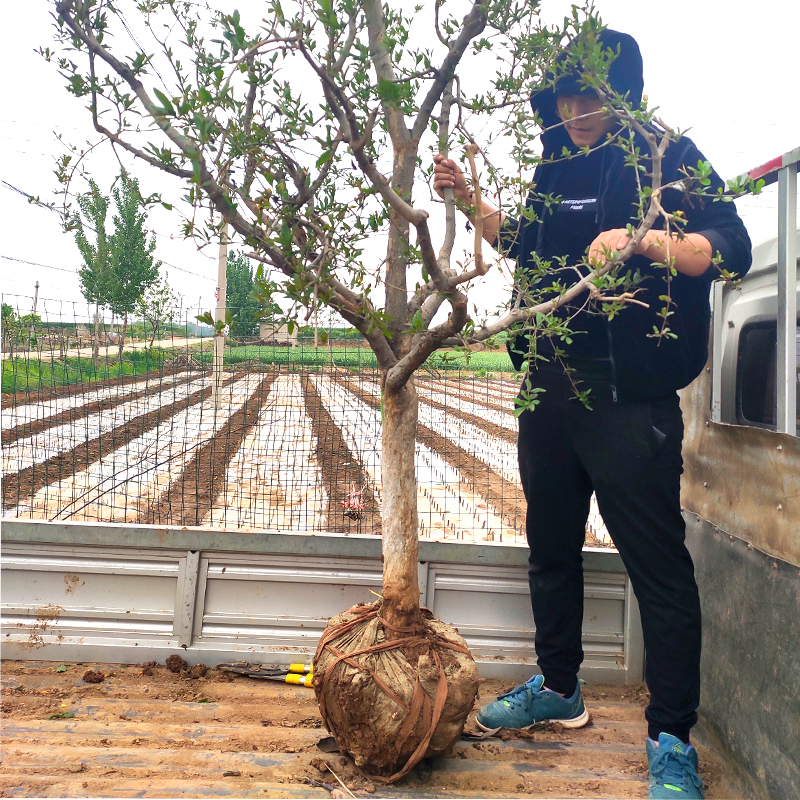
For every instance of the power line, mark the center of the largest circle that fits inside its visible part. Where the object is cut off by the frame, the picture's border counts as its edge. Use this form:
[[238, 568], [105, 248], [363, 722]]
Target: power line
[[181, 269], [13, 188], [74, 272], [35, 264]]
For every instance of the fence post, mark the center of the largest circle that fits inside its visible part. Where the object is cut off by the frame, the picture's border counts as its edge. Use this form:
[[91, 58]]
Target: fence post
[[219, 338]]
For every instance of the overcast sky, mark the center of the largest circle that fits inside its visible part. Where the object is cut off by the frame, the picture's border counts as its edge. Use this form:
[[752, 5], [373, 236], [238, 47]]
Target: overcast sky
[[726, 69]]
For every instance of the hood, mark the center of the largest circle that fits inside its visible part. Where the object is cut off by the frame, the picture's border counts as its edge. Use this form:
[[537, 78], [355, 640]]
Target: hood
[[626, 76]]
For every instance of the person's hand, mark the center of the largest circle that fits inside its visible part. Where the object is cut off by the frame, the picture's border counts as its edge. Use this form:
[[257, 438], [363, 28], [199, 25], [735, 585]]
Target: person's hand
[[606, 243], [448, 175]]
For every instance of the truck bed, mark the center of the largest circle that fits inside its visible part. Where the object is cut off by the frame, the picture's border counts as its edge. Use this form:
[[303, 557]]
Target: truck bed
[[170, 735]]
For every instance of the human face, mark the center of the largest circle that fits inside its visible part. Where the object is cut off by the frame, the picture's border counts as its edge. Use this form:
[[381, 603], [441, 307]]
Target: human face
[[585, 131]]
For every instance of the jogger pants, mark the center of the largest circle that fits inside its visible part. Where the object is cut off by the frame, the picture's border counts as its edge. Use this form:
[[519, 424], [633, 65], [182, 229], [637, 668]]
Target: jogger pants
[[629, 453]]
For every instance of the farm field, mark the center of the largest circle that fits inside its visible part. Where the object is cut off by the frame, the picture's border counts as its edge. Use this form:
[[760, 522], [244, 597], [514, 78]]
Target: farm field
[[293, 448]]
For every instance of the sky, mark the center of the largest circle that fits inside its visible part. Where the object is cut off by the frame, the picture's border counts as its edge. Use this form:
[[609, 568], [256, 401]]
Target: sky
[[724, 70]]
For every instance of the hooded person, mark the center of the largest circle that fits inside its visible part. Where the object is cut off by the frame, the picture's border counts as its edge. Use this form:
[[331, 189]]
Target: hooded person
[[627, 447]]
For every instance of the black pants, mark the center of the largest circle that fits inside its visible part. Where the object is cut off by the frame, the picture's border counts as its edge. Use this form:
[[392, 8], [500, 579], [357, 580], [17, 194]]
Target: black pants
[[629, 453]]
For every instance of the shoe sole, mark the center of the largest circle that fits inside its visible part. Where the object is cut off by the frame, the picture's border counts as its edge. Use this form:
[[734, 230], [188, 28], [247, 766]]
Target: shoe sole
[[575, 722]]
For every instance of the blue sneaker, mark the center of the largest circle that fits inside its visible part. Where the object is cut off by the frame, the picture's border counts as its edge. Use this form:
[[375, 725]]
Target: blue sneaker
[[673, 770], [530, 703]]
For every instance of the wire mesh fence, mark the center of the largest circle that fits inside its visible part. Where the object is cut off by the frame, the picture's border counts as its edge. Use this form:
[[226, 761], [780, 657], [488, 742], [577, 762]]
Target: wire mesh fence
[[113, 421]]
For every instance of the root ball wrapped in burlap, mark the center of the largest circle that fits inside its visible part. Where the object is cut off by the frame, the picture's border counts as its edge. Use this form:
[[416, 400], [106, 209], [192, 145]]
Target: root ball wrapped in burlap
[[392, 697]]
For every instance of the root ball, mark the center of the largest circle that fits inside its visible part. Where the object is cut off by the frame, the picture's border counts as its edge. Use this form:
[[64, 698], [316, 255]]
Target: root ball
[[393, 697]]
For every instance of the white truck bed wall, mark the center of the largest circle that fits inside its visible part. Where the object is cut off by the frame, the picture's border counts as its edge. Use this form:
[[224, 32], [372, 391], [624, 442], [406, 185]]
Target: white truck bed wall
[[123, 593]]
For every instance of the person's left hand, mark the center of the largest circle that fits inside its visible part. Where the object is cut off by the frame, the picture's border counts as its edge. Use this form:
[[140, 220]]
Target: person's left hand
[[607, 242]]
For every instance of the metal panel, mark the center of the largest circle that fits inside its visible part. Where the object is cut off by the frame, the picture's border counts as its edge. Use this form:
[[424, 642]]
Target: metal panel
[[787, 300], [269, 597], [717, 347], [102, 592], [745, 480], [280, 601], [185, 600], [492, 611], [750, 666]]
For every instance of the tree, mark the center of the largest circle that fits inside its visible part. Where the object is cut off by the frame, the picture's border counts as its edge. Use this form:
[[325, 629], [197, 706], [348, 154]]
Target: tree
[[307, 137], [157, 305], [240, 300], [95, 275], [119, 267], [131, 265], [8, 320]]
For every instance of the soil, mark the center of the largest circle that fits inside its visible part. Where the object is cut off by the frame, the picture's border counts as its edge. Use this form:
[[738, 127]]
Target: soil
[[500, 492], [24, 484], [492, 428], [484, 484], [169, 735], [188, 499], [32, 427], [340, 471], [75, 389]]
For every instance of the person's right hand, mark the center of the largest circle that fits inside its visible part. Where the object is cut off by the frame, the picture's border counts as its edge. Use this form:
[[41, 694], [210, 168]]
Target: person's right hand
[[448, 175]]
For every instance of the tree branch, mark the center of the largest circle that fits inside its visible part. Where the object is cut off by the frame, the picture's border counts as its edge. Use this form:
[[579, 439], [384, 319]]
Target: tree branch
[[431, 304], [345, 113], [473, 24], [382, 62]]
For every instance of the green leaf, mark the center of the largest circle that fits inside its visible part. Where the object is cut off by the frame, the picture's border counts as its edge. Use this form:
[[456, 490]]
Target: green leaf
[[167, 109], [62, 668], [389, 91]]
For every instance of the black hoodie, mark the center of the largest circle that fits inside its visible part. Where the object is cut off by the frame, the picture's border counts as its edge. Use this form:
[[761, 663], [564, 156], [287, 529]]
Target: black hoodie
[[641, 367]]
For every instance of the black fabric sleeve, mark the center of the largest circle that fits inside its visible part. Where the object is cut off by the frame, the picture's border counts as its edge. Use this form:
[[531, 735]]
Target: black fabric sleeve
[[718, 221]]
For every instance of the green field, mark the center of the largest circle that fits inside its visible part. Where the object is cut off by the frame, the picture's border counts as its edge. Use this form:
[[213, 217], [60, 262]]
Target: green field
[[360, 358], [21, 374]]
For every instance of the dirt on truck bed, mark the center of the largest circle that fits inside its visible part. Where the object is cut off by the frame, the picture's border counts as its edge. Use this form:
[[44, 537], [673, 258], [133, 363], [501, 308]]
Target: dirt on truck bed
[[112, 730]]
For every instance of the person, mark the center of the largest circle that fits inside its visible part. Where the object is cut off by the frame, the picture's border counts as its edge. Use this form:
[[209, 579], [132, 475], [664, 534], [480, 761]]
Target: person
[[627, 446]]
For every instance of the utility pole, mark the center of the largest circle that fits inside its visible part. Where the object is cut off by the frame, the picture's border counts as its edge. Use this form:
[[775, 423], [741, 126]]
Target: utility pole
[[219, 338], [35, 303]]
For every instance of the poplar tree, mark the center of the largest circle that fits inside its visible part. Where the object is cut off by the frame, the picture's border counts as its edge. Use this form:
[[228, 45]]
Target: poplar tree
[[132, 265], [240, 299], [95, 275]]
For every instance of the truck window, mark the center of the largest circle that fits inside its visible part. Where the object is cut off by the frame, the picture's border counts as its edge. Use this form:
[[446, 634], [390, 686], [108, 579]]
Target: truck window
[[756, 385]]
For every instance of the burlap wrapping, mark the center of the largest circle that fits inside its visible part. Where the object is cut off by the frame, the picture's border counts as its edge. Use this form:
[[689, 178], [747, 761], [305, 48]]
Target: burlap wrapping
[[390, 703]]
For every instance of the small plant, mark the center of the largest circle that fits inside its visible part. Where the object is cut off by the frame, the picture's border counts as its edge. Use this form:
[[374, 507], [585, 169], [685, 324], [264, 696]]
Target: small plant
[[354, 503]]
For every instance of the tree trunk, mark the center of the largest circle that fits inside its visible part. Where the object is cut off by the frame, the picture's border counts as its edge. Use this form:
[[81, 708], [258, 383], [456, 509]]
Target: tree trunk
[[122, 338], [155, 328], [399, 512], [96, 343]]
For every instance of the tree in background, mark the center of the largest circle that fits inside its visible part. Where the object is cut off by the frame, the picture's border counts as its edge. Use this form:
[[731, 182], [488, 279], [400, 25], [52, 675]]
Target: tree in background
[[132, 265], [8, 321], [117, 267], [243, 306], [95, 275], [157, 305]]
